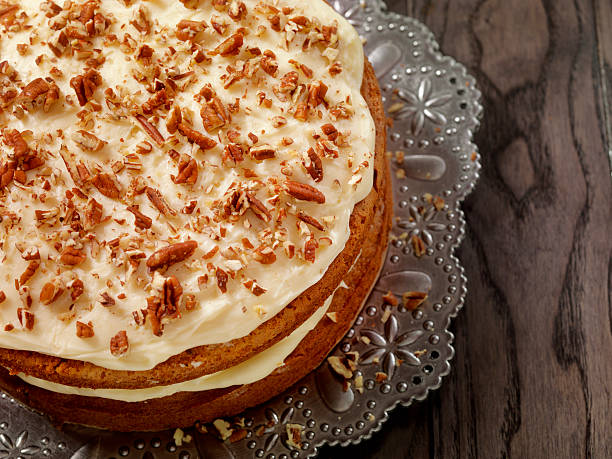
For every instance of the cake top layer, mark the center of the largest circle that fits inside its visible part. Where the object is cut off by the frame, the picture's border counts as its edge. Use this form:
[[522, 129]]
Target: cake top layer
[[172, 174]]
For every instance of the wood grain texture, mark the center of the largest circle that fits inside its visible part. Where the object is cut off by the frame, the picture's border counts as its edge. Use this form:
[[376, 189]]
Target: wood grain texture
[[533, 372]]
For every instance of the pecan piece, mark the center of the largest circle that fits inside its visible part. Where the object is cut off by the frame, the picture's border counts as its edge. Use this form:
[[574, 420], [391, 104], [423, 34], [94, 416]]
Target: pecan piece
[[258, 207], [304, 192], [156, 100], [77, 288], [264, 255], [151, 130], [93, 214], [84, 330], [222, 279], [26, 318], [171, 254], [50, 292], [158, 200], [106, 184], [262, 152], [310, 220], [187, 30], [234, 152], [316, 94], [85, 85], [119, 344], [173, 119], [87, 141], [310, 247], [187, 171], [330, 131], [214, 114], [140, 220], [413, 300], [313, 165], [205, 143], [14, 139], [7, 172], [72, 257], [231, 46], [29, 272], [33, 94], [2, 297]]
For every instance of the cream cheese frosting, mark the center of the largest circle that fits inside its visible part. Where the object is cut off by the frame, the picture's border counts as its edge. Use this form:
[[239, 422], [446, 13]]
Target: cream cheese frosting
[[249, 371], [38, 212]]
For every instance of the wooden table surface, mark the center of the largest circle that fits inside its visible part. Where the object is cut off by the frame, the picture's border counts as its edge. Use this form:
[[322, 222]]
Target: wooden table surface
[[532, 376]]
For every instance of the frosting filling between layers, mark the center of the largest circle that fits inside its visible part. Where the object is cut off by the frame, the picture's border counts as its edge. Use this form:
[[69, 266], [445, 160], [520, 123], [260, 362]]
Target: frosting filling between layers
[[247, 372], [218, 317]]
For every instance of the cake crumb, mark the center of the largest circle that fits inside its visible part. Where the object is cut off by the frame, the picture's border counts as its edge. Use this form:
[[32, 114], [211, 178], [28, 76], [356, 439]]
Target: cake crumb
[[359, 384], [294, 435], [386, 315], [413, 300], [178, 436], [223, 428], [333, 316]]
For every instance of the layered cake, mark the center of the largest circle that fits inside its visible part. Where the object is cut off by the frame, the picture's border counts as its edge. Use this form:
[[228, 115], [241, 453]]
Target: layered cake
[[194, 203]]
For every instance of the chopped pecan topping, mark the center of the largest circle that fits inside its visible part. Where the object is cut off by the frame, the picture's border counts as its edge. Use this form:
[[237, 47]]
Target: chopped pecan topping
[[87, 141], [107, 300], [262, 152], [304, 192], [187, 30], [264, 255], [222, 279], [72, 257], [187, 171], [214, 114], [26, 318], [150, 130], [29, 272], [237, 10], [234, 152], [316, 94], [330, 131], [33, 94], [313, 165], [311, 221], [140, 20], [119, 344], [310, 247], [14, 139], [50, 292], [7, 172], [85, 85], [156, 100], [107, 185], [84, 330], [140, 220], [76, 289], [158, 200], [205, 143], [171, 254], [288, 83], [173, 119], [258, 208], [2, 297], [269, 65], [231, 46]]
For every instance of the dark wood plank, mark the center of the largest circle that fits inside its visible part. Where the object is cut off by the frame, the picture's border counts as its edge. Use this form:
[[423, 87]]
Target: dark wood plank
[[534, 344]]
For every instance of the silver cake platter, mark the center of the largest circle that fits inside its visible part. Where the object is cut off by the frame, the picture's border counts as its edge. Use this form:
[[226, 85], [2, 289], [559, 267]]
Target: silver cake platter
[[435, 107]]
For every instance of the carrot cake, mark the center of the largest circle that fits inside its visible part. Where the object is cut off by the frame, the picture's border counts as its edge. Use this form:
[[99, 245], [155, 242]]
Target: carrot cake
[[194, 203]]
